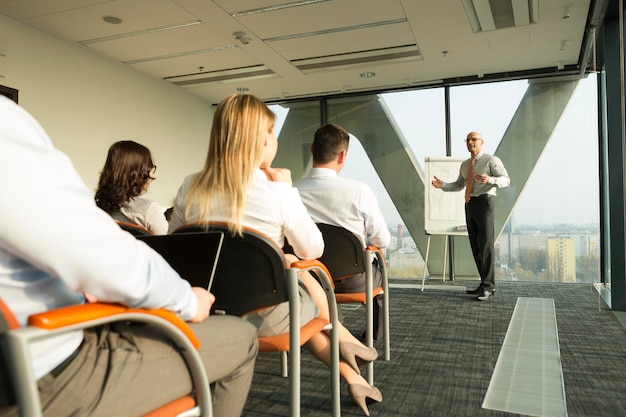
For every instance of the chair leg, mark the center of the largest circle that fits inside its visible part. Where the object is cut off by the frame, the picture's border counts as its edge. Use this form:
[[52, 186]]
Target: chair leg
[[284, 364], [369, 334], [294, 385], [369, 311], [386, 331], [294, 343], [335, 376], [386, 325]]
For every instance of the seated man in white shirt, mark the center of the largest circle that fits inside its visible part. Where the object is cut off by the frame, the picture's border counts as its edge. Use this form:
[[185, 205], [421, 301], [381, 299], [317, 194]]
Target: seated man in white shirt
[[55, 245], [343, 202]]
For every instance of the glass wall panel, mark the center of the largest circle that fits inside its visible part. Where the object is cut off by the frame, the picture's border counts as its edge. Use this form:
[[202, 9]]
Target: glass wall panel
[[388, 128], [558, 210], [420, 117], [489, 109], [486, 108], [295, 126]]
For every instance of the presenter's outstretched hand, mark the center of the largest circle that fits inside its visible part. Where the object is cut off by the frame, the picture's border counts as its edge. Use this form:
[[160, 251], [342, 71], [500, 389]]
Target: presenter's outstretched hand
[[437, 183]]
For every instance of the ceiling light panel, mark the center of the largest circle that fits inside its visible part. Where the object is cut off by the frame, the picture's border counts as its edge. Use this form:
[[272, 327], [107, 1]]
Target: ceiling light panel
[[345, 42], [141, 32], [275, 7], [188, 64], [87, 21], [321, 18], [178, 54], [385, 56], [30, 9], [334, 30], [159, 43], [230, 76]]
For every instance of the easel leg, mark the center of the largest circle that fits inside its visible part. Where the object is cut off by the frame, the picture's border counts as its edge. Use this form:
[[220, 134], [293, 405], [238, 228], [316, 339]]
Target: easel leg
[[445, 258], [426, 262]]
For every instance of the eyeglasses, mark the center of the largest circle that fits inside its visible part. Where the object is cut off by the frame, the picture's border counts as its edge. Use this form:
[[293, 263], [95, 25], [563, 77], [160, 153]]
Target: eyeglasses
[[472, 139], [152, 172]]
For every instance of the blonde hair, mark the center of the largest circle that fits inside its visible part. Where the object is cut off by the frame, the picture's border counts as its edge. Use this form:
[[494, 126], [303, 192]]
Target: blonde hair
[[240, 125]]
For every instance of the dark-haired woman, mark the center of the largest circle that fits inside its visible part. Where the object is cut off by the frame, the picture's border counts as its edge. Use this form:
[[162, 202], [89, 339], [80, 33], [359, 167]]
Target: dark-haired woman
[[125, 178]]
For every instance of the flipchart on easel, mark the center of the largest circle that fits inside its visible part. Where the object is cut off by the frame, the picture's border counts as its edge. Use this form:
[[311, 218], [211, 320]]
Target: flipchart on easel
[[444, 211]]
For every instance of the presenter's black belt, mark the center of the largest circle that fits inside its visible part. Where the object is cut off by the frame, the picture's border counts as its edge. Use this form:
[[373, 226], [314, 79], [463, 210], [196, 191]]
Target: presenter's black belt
[[481, 197]]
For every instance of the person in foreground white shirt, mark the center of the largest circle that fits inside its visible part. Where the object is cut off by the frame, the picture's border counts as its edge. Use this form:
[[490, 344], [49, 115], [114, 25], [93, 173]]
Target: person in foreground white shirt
[[344, 202], [55, 245]]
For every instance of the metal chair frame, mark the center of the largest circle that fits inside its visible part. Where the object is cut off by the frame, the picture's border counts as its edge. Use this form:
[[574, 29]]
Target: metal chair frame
[[16, 353], [345, 256]]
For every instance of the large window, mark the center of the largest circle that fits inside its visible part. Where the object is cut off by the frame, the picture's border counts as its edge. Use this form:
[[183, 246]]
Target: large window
[[559, 206], [545, 133], [296, 123]]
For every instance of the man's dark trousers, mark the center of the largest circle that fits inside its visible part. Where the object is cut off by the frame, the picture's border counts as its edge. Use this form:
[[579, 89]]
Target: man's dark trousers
[[479, 219]]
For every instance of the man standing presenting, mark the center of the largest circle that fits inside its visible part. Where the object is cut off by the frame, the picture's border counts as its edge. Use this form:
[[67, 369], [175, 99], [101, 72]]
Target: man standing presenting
[[343, 202], [480, 175]]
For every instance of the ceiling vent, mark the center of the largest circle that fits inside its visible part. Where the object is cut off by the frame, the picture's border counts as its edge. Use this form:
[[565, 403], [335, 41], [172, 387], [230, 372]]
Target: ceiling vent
[[486, 15], [245, 73], [378, 87], [387, 55], [316, 94]]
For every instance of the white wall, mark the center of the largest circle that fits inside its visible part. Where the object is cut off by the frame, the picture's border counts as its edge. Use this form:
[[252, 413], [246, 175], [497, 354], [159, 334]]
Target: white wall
[[86, 103]]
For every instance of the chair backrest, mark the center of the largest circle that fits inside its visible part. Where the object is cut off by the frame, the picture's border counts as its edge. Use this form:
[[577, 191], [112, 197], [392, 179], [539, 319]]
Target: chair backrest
[[250, 274], [134, 229], [343, 251]]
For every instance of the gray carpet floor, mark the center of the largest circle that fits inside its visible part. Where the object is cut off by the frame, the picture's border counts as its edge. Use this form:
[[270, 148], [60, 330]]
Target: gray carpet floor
[[444, 346]]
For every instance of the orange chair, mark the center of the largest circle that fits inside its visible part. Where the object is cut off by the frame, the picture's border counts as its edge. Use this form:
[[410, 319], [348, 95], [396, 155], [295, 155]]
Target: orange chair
[[344, 256], [134, 229], [252, 274], [17, 369]]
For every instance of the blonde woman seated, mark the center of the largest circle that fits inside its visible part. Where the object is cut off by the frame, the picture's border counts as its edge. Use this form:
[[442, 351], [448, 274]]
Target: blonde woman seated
[[237, 185], [125, 178]]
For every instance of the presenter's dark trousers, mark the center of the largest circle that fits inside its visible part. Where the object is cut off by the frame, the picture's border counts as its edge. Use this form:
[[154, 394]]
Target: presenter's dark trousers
[[479, 219]]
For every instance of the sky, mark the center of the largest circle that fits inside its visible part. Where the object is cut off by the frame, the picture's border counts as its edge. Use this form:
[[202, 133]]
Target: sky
[[552, 195]]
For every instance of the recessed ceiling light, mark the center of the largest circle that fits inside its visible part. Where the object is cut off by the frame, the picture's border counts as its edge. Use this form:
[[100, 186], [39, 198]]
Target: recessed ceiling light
[[243, 89], [367, 74], [112, 20], [277, 7]]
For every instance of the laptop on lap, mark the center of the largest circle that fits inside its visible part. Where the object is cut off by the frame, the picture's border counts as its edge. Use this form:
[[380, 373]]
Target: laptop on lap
[[193, 255]]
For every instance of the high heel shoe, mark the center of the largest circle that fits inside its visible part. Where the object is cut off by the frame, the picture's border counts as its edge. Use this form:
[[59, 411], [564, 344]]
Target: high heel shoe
[[357, 355], [364, 394]]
